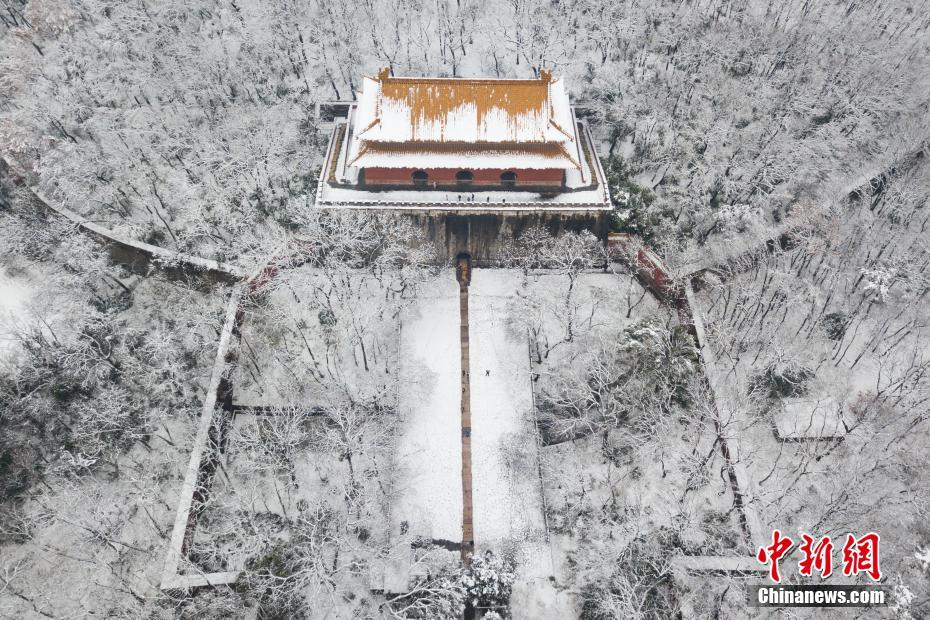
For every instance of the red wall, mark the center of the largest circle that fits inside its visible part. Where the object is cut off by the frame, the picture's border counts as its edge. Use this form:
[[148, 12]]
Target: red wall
[[446, 176]]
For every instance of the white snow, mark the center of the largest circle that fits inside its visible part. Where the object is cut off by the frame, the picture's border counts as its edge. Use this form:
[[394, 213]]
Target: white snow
[[594, 198], [384, 118], [14, 296], [505, 483], [366, 110], [506, 490], [534, 593], [808, 418], [503, 200], [430, 157], [430, 446]]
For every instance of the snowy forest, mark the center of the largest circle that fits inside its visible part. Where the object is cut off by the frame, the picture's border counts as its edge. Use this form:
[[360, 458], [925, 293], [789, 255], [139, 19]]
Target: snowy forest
[[775, 155]]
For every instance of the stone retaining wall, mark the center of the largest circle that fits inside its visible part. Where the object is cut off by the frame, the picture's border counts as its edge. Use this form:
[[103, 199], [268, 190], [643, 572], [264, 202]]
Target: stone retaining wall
[[135, 255]]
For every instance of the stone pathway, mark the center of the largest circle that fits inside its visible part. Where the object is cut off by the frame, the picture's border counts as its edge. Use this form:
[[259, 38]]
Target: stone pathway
[[463, 275]]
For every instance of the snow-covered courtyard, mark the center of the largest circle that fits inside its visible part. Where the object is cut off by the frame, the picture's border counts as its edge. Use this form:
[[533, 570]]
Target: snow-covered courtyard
[[429, 446], [505, 477]]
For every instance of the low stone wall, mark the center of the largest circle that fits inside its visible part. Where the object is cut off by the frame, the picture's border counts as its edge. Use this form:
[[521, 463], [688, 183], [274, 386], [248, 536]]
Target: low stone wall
[[216, 412], [204, 451], [133, 254]]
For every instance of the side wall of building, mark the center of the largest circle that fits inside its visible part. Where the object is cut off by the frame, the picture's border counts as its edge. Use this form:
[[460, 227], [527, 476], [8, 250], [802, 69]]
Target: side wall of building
[[445, 177], [484, 235]]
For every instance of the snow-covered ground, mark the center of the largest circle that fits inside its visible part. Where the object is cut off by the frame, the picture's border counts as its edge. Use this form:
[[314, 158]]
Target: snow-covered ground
[[505, 477], [14, 296], [505, 481], [430, 445]]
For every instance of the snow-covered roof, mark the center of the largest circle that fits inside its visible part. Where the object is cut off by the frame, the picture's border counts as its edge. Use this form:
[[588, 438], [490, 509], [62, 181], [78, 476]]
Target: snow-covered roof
[[585, 187], [491, 123], [405, 109], [475, 157]]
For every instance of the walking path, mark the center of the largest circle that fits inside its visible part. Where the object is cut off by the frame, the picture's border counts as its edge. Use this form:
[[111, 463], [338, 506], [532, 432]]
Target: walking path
[[468, 534], [124, 249]]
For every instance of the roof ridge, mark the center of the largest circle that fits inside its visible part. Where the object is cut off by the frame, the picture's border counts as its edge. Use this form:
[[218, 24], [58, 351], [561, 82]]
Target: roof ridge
[[569, 156]]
